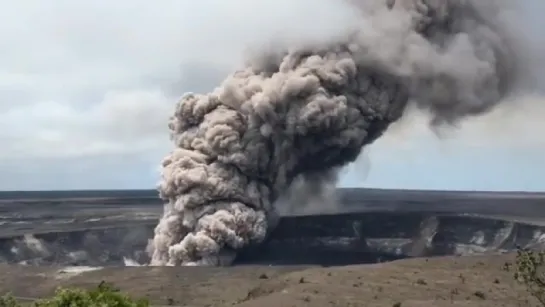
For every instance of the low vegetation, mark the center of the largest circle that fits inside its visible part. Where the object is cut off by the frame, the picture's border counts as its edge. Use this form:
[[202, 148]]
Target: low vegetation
[[105, 295], [529, 270]]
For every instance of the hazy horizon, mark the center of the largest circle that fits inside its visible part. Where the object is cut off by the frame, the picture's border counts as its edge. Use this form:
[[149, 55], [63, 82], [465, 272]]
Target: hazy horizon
[[338, 188]]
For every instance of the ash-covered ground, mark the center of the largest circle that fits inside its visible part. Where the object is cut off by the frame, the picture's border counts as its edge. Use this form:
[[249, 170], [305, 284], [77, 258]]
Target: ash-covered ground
[[360, 226]]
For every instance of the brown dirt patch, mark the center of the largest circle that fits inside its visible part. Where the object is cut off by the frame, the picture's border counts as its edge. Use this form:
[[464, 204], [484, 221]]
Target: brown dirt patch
[[435, 282]]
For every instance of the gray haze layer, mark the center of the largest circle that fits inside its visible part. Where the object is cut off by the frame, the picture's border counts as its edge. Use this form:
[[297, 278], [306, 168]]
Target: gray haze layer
[[303, 112]]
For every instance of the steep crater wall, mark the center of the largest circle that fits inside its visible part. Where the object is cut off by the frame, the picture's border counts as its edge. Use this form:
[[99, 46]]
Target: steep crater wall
[[324, 240]]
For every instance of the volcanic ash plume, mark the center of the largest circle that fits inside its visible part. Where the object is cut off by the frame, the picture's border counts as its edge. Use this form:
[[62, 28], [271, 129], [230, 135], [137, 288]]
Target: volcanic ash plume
[[311, 110]]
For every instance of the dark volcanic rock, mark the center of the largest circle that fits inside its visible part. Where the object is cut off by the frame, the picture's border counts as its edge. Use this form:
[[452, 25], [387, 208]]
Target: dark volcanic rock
[[323, 240]]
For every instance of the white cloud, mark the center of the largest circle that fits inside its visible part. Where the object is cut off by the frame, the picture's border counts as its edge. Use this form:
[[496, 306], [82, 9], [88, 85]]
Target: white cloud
[[121, 123], [86, 87], [516, 122]]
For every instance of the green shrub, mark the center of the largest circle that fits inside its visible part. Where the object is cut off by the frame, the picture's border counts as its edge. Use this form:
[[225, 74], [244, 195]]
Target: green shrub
[[8, 301], [103, 296], [530, 271]]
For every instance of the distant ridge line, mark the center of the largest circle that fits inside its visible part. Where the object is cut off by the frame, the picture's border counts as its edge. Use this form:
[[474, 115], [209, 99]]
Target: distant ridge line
[[149, 193], [78, 194]]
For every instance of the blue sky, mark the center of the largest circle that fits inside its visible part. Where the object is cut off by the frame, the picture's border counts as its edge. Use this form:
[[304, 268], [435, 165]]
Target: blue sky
[[86, 88]]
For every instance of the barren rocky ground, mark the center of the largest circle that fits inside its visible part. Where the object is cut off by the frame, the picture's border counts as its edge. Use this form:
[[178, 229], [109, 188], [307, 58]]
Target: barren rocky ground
[[434, 282], [418, 282]]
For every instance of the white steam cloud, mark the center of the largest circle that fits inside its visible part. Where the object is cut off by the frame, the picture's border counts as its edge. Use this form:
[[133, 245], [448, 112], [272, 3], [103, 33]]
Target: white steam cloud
[[303, 111]]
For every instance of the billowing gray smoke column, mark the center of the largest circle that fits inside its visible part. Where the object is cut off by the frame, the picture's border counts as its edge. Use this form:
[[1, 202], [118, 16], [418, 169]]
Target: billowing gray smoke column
[[306, 111]]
